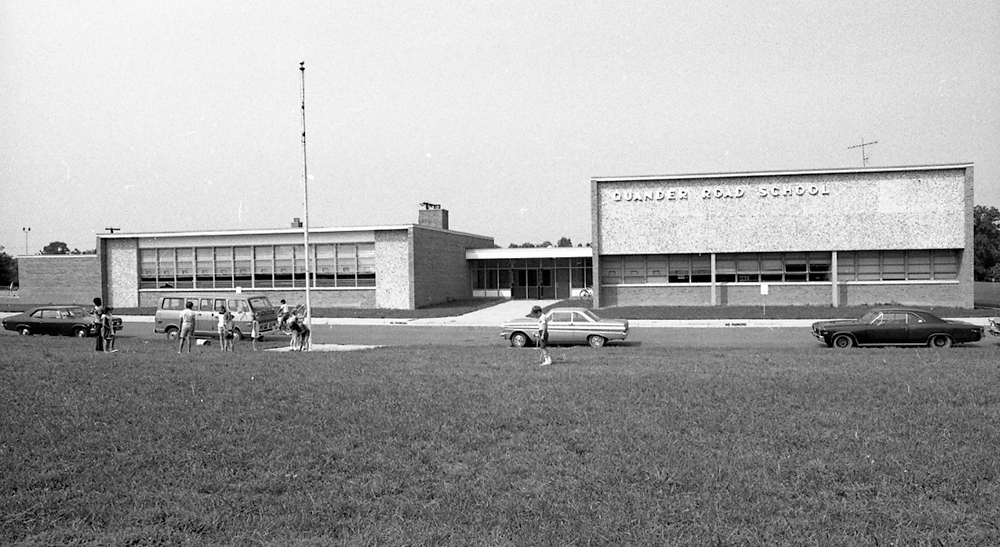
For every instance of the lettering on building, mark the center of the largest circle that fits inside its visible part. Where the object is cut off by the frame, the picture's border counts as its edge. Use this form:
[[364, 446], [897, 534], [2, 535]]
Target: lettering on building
[[722, 192]]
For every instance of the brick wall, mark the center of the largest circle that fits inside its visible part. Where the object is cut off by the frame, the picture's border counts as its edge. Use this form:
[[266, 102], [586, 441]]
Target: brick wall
[[59, 279], [393, 266], [440, 270]]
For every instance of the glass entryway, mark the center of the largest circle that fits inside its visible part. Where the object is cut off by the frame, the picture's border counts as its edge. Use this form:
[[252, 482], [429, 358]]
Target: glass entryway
[[531, 278]]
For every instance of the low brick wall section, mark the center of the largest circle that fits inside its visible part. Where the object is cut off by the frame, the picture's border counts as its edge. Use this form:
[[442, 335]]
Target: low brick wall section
[[59, 279]]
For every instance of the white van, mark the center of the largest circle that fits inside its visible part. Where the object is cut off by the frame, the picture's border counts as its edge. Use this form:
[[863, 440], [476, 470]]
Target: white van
[[242, 306]]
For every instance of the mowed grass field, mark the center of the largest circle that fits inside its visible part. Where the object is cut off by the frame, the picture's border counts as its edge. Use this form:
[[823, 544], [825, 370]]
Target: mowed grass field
[[480, 446]]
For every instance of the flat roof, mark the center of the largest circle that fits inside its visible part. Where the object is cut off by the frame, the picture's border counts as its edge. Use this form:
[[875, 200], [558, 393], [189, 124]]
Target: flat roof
[[278, 231], [529, 252], [838, 171]]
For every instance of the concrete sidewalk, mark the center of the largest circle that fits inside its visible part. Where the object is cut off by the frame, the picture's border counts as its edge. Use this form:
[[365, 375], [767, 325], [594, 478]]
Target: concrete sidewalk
[[494, 316]]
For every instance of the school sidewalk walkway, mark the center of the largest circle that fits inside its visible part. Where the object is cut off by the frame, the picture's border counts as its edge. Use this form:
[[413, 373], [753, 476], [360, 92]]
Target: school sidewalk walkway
[[494, 316]]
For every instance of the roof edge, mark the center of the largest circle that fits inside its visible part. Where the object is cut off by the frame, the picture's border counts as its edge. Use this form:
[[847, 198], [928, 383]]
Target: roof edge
[[840, 170]]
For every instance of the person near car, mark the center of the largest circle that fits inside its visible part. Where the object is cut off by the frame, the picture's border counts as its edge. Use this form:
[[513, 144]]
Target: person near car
[[543, 335], [254, 331], [97, 312], [283, 316], [225, 329], [187, 327], [107, 331]]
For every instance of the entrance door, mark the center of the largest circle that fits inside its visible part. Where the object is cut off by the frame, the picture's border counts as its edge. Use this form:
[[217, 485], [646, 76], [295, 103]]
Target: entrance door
[[562, 284]]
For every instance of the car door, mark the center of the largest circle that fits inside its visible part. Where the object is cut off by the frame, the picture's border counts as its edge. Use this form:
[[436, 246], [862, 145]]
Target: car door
[[918, 329], [889, 328], [560, 327], [40, 322], [204, 320]]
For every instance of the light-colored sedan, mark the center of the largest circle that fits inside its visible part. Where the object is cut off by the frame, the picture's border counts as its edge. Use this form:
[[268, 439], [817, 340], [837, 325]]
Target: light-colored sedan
[[567, 326]]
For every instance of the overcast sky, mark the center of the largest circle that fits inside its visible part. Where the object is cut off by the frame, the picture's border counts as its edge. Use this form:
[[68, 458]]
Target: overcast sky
[[186, 115]]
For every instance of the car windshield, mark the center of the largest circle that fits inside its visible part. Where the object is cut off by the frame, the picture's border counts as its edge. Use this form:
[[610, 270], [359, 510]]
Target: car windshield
[[260, 303], [76, 312], [869, 317]]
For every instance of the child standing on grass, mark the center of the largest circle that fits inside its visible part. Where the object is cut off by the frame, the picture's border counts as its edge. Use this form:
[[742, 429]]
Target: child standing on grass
[[254, 331], [542, 336], [108, 330]]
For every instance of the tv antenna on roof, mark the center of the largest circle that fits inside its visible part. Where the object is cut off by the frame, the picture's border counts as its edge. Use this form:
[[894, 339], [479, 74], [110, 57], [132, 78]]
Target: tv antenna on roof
[[429, 205], [864, 157], [113, 230]]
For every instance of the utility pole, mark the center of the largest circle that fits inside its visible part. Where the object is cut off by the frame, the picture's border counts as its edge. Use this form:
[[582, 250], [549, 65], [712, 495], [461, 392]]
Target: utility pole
[[864, 157], [305, 193]]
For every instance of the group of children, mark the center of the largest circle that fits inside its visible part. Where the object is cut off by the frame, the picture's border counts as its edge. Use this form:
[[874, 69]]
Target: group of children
[[105, 326], [290, 323]]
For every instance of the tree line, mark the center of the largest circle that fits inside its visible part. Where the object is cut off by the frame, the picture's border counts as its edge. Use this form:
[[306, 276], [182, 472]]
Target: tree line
[[562, 242], [986, 226], [8, 264]]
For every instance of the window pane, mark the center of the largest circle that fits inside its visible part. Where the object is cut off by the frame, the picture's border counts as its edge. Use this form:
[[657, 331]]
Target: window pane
[[893, 265], [701, 268], [347, 265], [366, 264], [819, 266], [241, 266], [611, 270], [283, 255], [204, 267], [326, 266], [846, 267], [868, 266], [147, 268], [263, 266], [165, 268], [918, 264], [945, 264]]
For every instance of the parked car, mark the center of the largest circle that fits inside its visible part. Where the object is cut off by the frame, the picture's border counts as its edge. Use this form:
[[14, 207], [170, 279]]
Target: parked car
[[896, 327], [60, 320], [567, 326], [206, 305], [995, 326]]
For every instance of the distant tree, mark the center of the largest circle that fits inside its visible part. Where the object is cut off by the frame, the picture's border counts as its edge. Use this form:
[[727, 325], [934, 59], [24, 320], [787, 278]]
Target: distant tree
[[986, 230], [564, 242], [546, 244], [8, 270], [56, 248]]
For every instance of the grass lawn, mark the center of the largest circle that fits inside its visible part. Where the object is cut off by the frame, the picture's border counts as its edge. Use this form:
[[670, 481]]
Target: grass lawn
[[479, 446]]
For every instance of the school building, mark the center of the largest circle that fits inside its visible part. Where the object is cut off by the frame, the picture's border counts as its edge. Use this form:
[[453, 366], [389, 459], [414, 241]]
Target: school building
[[834, 237]]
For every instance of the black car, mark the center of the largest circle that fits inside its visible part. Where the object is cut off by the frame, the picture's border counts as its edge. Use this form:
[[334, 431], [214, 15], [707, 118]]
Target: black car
[[896, 327], [60, 320]]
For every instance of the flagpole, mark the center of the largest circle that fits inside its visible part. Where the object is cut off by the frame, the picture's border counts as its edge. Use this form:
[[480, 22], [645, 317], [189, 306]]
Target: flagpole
[[305, 201]]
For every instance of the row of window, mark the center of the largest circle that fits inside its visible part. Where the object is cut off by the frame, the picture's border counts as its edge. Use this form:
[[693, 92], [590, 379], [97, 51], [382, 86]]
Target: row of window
[[780, 267], [257, 266]]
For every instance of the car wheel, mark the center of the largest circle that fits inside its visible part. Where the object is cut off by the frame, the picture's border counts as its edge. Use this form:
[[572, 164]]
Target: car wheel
[[596, 341], [940, 341], [172, 333], [237, 335], [24, 331], [843, 341], [80, 332], [519, 340]]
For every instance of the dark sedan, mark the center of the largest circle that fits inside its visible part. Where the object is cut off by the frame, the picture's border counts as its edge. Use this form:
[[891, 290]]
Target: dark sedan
[[59, 320], [896, 327]]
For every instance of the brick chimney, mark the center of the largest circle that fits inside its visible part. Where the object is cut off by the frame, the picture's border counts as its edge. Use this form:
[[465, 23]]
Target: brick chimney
[[432, 215]]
